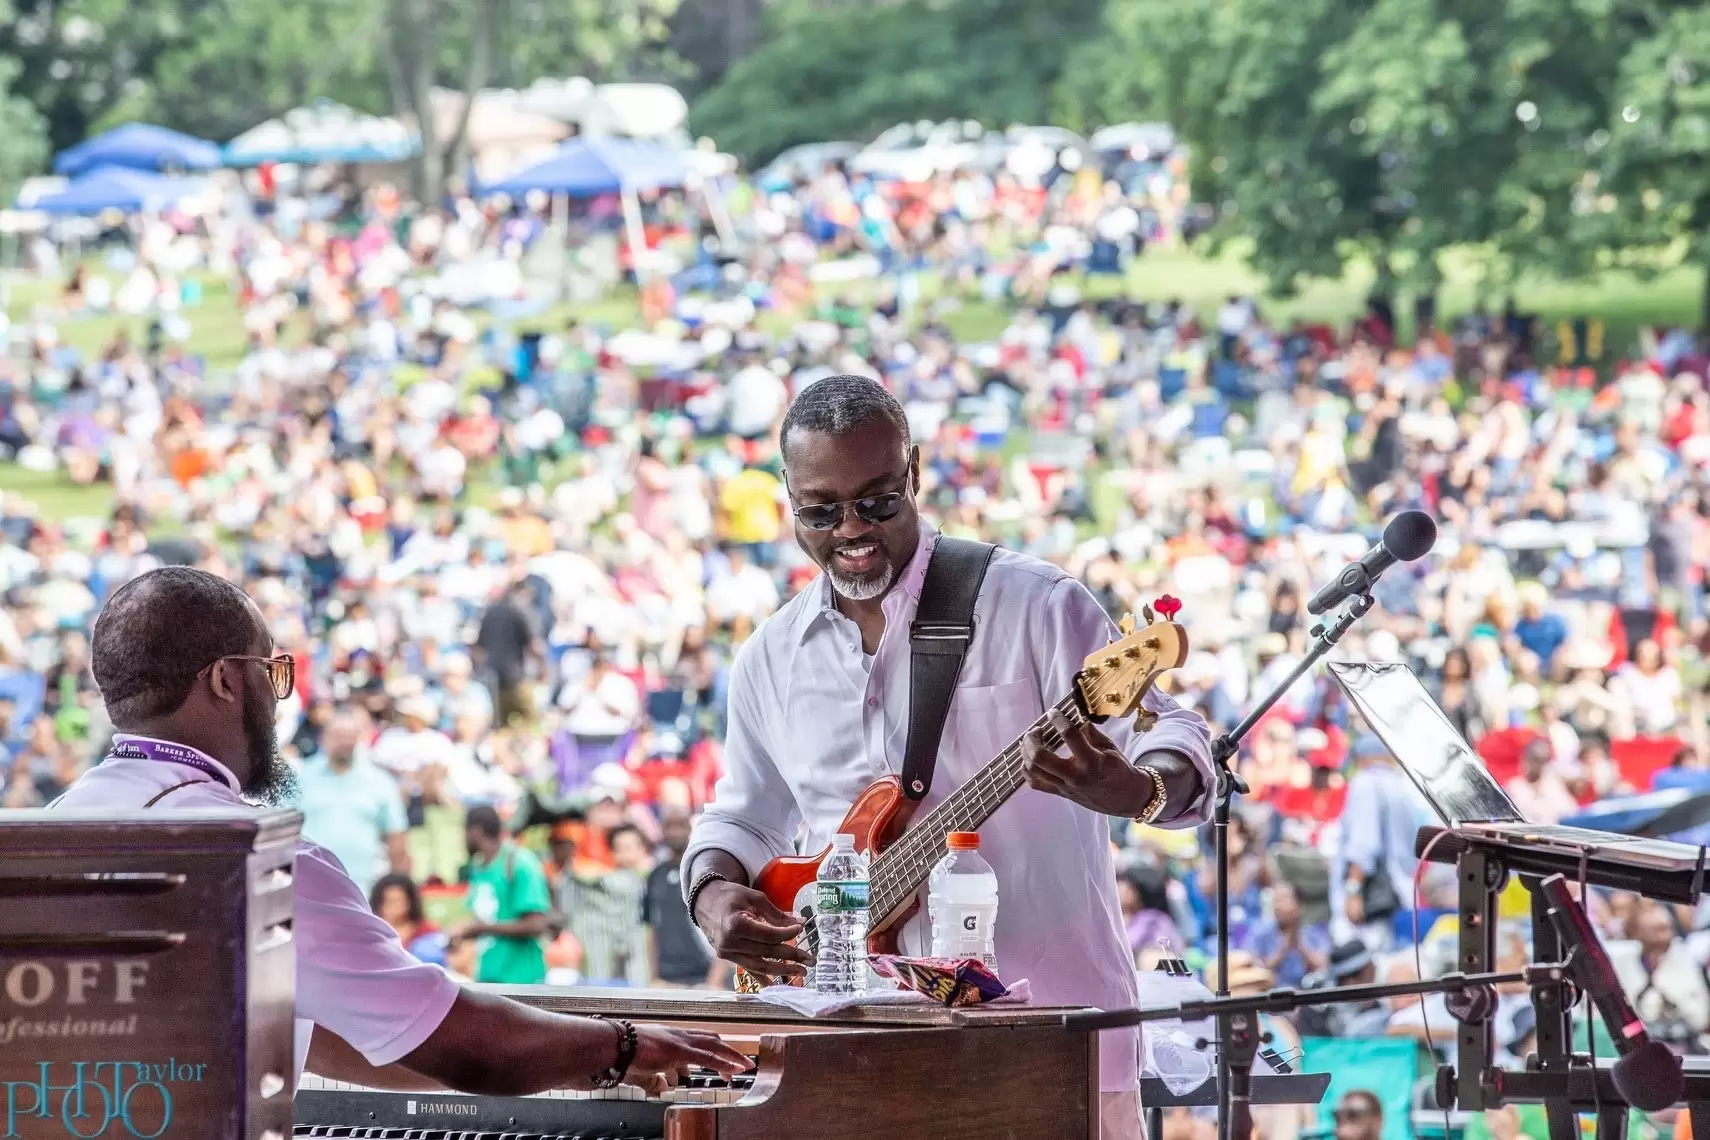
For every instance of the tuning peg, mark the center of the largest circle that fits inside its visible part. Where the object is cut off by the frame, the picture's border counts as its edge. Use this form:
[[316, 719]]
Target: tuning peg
[[1127, 622], [1150, 616]]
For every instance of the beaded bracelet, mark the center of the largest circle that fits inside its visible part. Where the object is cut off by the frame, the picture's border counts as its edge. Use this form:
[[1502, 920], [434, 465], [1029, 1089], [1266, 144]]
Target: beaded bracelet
[[627, 1042], [702, 881]]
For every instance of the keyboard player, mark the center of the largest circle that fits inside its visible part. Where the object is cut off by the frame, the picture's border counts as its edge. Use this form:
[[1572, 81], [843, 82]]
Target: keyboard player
[[191, 678]]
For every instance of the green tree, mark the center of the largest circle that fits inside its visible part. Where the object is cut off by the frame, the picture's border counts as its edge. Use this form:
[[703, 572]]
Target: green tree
[[215, 68], [212, 68], [237, 63], [465, 45], [23, 135], [1386, 130], [848, 72], [1639, 198]]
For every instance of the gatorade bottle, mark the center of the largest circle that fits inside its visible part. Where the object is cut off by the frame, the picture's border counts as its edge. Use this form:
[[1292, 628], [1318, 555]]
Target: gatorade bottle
[[962, 902]]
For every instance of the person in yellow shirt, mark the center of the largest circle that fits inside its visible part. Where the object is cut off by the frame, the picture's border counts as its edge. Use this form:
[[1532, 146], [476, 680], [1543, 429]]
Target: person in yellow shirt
[[751, 512], [524, 533]]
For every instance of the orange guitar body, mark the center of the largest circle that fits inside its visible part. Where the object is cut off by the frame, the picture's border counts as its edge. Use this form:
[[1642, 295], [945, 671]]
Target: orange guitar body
[[876, 819]]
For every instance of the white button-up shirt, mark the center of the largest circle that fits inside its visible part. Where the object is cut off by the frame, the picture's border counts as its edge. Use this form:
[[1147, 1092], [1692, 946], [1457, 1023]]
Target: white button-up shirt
[[812, 723], [353, 975]]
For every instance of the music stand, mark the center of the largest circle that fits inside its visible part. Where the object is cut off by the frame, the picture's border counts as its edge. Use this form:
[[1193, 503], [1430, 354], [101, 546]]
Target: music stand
[[1564, 1082]]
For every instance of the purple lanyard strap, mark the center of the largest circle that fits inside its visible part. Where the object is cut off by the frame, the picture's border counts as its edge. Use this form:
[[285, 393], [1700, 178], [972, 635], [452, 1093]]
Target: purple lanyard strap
[[169, 753]]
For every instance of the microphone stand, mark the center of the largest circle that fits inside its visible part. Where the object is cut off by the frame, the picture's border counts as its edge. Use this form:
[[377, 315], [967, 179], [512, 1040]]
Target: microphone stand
[[1241, 1014], [1325, 634]]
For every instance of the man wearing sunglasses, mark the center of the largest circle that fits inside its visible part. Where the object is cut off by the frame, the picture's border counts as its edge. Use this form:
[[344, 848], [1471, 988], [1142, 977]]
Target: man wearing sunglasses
[[1359, 1116], [191, 679], [818, 709]]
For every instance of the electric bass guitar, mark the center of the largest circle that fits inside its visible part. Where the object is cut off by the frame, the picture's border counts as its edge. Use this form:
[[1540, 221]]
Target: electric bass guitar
[[1111, 683]]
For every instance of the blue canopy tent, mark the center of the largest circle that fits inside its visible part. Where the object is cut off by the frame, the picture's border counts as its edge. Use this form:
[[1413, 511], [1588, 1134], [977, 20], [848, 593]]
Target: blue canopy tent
[[586, 167], [583, 168], [138, 146], [115, 188]]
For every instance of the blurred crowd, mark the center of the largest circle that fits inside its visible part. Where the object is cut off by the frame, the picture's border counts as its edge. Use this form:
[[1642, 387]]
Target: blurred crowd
[[513, 551]]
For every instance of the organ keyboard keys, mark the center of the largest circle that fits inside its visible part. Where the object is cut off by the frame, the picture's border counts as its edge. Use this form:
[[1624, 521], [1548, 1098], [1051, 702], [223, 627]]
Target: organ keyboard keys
[[891, 1072]]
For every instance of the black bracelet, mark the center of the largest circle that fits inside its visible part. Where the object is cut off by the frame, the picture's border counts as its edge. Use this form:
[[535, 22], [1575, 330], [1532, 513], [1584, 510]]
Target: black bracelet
[[702, 881], [612, 1077]]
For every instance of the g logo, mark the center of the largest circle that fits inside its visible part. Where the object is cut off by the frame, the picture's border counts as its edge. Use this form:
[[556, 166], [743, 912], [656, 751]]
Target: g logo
[[970, 922]]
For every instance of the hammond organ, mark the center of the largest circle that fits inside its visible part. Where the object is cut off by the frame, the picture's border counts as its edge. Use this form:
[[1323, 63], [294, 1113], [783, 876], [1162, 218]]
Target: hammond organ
[[897, 1072]]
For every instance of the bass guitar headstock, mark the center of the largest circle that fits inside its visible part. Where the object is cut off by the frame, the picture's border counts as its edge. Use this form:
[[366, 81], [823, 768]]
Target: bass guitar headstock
[[1113, 680]]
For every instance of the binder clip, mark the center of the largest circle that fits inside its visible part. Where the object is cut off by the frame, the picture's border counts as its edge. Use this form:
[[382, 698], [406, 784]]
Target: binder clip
[[1169, 963]]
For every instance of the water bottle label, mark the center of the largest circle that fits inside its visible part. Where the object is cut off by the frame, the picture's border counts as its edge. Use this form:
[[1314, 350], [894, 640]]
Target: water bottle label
[[842, 898]]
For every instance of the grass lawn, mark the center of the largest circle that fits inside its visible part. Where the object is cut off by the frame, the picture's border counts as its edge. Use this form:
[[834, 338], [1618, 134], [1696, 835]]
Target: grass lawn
[[1619, 300], [55, 496]]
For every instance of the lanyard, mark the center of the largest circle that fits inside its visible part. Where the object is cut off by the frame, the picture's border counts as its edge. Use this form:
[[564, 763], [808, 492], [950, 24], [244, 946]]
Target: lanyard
[[140, 749]]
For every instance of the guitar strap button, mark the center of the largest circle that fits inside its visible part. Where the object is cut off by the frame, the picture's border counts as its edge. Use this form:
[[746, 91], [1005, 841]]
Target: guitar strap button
[[918, 787]]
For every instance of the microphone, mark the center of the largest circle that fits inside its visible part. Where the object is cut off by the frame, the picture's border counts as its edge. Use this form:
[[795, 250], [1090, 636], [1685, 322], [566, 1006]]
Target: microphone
[[1408, 536], [1648, 1076]]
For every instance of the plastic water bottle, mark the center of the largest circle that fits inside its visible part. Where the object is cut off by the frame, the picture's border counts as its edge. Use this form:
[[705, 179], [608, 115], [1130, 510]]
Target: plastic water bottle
[[840, 965], [962, 901]]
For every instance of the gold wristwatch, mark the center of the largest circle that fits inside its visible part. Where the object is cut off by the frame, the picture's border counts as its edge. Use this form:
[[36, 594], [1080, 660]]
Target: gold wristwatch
[[1155, 808]]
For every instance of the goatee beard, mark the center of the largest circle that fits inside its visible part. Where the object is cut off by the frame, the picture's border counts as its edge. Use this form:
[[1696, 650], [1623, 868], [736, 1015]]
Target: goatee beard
[[862, 589], [271, 780]]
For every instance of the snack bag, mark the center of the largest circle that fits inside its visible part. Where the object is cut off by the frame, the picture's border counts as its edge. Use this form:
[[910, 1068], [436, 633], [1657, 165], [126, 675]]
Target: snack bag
[[950, 981]]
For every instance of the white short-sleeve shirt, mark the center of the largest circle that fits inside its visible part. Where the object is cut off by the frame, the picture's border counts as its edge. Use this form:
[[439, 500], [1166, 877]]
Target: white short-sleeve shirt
[[353, 975]]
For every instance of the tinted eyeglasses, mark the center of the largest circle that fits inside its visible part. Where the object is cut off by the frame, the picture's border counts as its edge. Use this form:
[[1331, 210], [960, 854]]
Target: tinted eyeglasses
[[872, 509], [281, 670], [1350, 1114]]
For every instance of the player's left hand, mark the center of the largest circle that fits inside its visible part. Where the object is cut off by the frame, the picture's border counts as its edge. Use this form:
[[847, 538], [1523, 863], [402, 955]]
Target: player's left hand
[[1094, 774]]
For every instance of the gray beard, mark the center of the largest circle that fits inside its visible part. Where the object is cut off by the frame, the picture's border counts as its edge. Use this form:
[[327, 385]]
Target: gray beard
[[862, 589]]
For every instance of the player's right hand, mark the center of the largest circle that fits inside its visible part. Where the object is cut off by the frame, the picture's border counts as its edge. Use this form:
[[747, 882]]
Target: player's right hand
[[747, 930], [664, 1056]]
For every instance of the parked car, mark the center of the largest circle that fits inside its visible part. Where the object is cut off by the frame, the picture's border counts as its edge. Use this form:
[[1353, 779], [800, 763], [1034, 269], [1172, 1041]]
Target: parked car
[[1127, 146], [914, 152], [807, 161], [1038, 152]]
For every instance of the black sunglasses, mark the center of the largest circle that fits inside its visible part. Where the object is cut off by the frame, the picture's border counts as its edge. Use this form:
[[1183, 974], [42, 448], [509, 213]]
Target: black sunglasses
[[872, 509], [1341, 1114]]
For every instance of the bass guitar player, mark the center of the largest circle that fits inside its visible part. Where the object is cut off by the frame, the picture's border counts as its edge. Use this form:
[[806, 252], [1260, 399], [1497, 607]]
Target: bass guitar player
[[838, 701]]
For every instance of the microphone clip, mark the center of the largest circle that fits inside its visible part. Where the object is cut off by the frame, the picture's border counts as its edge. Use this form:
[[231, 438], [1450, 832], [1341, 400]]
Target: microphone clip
[[1344, 614]]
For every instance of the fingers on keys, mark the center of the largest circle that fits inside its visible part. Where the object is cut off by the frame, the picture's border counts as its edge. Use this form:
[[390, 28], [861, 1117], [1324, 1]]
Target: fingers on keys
[[710, 1052]]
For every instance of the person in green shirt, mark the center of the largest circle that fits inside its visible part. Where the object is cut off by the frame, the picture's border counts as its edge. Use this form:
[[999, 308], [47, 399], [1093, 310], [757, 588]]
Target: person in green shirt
[[510, 899]]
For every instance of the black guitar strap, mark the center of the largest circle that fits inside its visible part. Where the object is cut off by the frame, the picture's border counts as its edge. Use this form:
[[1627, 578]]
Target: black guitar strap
[[938, 643]]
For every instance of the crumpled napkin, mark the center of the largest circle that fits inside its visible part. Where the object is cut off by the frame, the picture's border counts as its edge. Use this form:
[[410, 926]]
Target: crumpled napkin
[[811, 1003]]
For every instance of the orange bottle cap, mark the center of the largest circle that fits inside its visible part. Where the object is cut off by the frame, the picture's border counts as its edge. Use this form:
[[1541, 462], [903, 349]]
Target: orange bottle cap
[[962, 841]]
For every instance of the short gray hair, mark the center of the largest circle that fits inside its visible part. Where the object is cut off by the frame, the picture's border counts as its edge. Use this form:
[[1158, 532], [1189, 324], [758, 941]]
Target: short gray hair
[[840, 404]]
